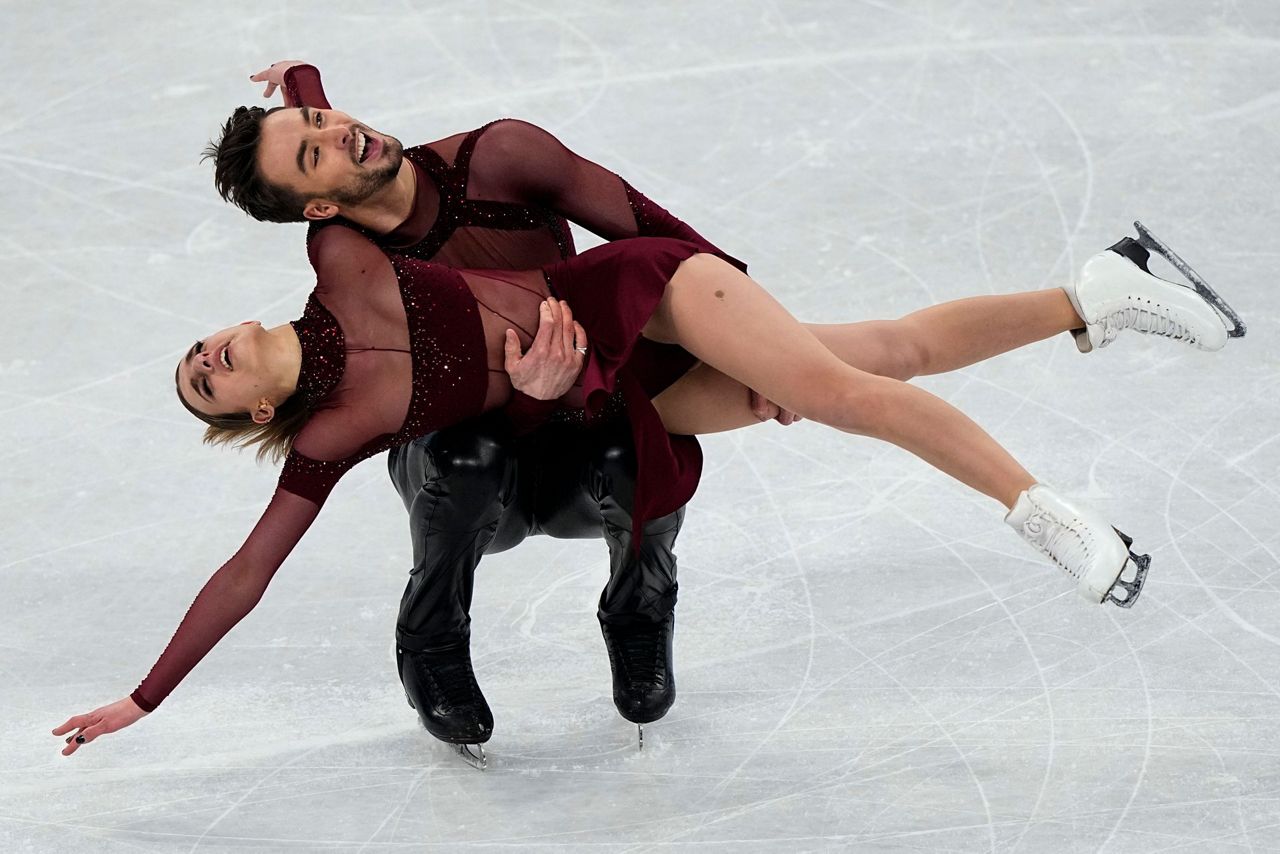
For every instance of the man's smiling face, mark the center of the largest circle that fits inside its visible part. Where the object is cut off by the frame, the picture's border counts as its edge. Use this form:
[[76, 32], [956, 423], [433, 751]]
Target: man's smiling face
[[326, 156]]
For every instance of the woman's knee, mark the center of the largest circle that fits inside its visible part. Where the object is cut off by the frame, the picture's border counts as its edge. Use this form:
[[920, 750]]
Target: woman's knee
[[906, 351]]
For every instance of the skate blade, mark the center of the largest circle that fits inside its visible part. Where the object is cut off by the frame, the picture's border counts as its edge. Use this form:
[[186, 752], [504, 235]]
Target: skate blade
[[1150, 241], [473, 755], [1131, 587], [640, 733]]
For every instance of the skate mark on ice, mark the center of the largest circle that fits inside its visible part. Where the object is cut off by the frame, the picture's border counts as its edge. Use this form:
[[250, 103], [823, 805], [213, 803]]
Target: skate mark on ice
[[1146, 748], [789, 552], [1177, 479], [1040, 675]]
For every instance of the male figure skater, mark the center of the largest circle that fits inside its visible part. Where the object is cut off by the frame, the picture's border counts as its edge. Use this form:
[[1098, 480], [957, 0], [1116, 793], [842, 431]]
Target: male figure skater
[[499, 197]]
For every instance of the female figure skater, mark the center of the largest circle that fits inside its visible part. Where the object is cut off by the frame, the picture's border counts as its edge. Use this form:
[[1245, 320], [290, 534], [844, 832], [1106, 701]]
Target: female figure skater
[[390, 348]]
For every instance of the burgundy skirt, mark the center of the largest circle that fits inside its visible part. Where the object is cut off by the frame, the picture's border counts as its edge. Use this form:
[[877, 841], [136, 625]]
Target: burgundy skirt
[[613, 290]]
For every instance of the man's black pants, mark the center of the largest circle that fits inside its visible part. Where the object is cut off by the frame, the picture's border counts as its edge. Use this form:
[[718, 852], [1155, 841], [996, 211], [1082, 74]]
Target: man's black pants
[[474, 489]]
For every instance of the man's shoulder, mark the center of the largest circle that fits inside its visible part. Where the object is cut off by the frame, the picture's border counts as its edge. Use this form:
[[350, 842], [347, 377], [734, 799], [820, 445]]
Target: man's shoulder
[[504, 137], [331, 241]]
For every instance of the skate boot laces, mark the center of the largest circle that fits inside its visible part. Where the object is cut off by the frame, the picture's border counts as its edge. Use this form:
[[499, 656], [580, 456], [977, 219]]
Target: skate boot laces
[[643, 655], [1148, 318], [1064, 544], [454, 683]]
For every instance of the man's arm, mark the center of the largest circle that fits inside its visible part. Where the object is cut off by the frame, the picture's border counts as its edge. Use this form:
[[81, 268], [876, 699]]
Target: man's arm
[[299, 84], [522, 163]]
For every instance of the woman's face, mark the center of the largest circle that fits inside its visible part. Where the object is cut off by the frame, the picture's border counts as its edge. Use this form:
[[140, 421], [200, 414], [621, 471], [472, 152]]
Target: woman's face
[[225, 373]]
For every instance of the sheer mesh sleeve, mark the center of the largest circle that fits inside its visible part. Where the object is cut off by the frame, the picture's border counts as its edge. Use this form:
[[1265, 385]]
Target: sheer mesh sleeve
[[302, 88], [229, 595], [238, 585], [522, 163]]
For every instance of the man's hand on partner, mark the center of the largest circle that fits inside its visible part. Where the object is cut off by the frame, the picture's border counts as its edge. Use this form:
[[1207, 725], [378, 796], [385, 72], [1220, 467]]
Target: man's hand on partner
[[554, 359], [767, 410]]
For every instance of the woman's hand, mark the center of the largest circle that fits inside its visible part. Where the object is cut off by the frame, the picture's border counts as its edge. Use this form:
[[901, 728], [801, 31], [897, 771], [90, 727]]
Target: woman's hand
[[274, 75], [554, 360], [116, 716]]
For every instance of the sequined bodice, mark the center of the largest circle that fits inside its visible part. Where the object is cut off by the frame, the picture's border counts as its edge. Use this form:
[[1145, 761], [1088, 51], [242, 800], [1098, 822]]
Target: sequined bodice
[[324, 352], [364, 394]]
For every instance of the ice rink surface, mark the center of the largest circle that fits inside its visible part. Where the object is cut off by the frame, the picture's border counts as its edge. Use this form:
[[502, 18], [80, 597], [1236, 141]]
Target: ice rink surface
[[867, 658]]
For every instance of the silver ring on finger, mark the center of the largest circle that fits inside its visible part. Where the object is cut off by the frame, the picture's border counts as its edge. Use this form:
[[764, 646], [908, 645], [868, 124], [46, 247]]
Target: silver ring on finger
[[582, 350]]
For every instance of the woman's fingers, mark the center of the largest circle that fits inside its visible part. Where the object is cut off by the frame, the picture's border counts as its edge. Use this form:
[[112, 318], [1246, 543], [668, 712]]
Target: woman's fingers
[[579, 338], [74, 722]]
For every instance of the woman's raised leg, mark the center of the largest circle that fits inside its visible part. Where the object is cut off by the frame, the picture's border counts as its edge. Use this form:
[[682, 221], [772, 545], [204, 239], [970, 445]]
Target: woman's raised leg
[[950, 335], [937, 339], [740, 332], [732, 324]]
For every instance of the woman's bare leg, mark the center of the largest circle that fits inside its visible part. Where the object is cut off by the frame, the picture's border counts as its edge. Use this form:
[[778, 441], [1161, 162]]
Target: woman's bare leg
[[733, 325], [950, 335], [934, 340]]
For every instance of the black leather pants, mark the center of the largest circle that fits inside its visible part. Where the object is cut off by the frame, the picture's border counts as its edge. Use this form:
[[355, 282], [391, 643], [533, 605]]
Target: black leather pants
[[473, 490]]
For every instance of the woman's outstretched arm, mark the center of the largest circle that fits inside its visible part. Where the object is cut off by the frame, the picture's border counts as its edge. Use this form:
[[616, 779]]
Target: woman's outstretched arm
[[230, 594]]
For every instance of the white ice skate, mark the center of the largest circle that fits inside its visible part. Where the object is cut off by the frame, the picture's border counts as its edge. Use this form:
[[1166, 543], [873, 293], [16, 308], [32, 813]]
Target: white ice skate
[[1081, 542], [1117, 291]]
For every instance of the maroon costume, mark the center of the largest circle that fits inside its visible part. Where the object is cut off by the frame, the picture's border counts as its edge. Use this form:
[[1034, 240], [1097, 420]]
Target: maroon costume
[[496, 198], [393, 348]]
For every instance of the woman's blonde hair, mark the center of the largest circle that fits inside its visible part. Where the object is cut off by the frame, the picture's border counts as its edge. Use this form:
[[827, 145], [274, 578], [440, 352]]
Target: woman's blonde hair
[[238, 429]]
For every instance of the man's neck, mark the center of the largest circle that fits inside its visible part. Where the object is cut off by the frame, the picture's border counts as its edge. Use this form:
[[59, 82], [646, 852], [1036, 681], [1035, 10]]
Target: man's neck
[[383, 212]]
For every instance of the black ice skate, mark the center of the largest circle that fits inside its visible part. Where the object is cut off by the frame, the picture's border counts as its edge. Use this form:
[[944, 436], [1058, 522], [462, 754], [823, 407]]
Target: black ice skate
[[644, 685], [441, 686], [1117, 291]]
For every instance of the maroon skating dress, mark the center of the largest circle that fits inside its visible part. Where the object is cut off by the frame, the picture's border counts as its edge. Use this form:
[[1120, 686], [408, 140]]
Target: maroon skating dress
[[394, 348]]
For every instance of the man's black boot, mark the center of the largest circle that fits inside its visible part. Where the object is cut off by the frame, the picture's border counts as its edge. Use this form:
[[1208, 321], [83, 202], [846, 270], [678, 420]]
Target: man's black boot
[[440, 684], [644, 684]]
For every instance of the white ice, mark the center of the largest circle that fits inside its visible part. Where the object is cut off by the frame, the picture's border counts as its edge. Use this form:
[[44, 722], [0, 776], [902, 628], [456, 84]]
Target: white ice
[[867, 658]]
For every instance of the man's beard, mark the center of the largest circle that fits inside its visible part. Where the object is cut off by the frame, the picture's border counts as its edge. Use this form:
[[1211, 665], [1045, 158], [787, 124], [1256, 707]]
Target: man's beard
[[368, 184]]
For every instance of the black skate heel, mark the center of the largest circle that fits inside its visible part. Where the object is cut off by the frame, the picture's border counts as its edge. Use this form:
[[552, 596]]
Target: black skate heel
[[1131, 588], [1147, 240], [1132, 249]]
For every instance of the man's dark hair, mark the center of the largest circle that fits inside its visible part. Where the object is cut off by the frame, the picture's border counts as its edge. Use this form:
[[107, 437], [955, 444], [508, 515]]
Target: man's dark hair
[[236, 174]]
